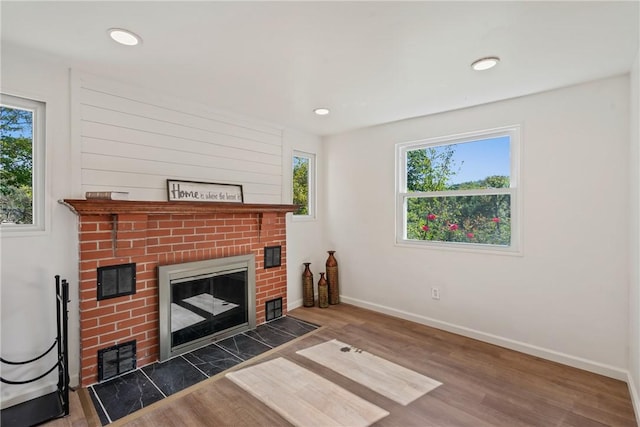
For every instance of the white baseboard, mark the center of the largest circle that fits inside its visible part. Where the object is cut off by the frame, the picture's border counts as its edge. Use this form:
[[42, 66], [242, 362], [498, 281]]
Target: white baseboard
[[294, 304], [635, 398], [555, 356]]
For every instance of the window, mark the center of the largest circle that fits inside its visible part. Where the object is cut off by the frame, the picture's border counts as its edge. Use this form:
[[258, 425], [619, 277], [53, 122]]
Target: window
[[460, 191], [304, 184], [22, 163]]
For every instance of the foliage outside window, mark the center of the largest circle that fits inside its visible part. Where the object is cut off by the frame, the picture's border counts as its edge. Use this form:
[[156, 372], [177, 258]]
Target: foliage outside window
[[460, 191], [21, 162], [303, 184]]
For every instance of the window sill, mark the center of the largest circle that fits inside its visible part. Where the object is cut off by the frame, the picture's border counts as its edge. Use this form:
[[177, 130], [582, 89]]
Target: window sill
[[303, 218], [464, 247], [14, 230]]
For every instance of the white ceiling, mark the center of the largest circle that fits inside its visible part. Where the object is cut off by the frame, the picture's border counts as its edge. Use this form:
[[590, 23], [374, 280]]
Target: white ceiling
[[369, 62]]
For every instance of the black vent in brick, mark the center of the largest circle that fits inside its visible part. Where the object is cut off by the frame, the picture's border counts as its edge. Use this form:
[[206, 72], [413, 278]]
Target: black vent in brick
[[116, 281], [273, 309], [116, 360], [272, 256]]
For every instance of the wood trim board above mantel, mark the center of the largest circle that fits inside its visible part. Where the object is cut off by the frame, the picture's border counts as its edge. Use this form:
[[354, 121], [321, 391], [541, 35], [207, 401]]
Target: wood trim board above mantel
[[109, 207]]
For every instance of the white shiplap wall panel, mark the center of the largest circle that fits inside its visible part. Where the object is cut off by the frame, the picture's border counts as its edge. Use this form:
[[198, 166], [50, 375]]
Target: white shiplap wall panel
[[130, 121], [171, 115], [126, 180], [165, 169], [127, 92], [94, 180], [133, 141], [177, 143], [135, 151]]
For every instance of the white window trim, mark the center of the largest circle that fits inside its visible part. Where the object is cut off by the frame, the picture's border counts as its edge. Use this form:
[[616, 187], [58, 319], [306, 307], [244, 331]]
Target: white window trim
[[38, 165], [514, 190], [312, 185]]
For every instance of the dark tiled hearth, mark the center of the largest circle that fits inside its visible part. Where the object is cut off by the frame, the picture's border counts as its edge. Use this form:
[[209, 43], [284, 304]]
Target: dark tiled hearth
[[211, 359], [173, 375], [121, 396], [291, 326], [271, 336], [243, 347]]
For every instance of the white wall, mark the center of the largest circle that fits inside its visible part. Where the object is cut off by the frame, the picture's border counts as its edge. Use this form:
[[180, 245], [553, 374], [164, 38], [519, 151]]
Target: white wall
[[634, 232], [29, 263], [566, 297], [306, 239]]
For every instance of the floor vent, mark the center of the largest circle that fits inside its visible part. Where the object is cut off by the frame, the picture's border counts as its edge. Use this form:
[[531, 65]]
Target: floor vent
[[273, 309], [116, 360]]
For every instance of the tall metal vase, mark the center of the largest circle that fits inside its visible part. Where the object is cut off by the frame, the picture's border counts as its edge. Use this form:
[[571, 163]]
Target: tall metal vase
[[332, 278], [323, 292], [307, 286]]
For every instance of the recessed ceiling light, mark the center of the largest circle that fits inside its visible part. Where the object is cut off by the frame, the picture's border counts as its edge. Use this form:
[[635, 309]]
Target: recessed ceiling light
[[124, 37], [485, 63], [321, 111]]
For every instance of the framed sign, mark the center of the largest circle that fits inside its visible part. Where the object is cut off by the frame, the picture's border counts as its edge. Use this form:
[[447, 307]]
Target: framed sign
[[193, 191]]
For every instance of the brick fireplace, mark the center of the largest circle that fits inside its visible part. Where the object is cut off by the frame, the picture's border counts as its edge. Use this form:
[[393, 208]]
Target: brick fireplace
[[153, 234]]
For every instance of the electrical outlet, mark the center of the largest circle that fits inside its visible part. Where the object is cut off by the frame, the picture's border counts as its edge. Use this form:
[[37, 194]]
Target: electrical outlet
[[435, 293]]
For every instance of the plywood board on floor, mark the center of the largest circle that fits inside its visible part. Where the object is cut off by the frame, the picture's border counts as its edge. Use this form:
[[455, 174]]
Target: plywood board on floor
[[303, 398]]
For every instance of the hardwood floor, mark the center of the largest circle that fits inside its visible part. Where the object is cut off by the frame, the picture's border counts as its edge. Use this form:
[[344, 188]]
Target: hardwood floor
[[483, 385]]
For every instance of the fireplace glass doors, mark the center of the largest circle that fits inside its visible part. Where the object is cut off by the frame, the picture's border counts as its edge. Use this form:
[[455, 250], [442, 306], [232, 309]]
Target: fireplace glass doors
[[205, 300]]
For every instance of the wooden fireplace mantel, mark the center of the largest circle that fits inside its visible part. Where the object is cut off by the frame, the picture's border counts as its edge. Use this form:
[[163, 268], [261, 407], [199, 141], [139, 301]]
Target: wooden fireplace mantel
[[111, 207]]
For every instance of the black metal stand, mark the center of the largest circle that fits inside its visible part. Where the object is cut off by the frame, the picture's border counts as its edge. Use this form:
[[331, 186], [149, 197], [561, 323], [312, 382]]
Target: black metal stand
[[56, 404]]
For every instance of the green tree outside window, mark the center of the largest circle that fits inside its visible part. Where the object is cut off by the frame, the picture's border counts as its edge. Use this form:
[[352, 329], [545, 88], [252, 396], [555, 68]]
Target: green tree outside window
[[16, 165], [301, 184], [451, 195]]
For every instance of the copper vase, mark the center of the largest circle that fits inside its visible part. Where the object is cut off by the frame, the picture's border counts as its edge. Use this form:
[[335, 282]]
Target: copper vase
[[332, 279], [307, 286], [323, 292]]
